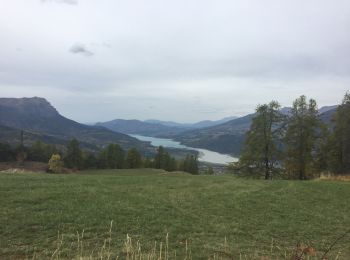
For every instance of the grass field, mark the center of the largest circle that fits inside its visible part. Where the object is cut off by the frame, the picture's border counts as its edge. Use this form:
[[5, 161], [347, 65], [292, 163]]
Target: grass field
[[257, 218]]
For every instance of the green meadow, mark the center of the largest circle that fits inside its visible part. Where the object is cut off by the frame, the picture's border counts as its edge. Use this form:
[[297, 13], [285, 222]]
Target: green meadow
[[90, 214]]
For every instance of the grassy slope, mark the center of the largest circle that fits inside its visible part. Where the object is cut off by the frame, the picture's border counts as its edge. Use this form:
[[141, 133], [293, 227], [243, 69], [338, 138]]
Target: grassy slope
[[148, 204]]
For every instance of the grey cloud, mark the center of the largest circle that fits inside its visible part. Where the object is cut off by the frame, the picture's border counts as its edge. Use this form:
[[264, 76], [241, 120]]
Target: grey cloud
[[70, 2], [80, 49], [103, 44]]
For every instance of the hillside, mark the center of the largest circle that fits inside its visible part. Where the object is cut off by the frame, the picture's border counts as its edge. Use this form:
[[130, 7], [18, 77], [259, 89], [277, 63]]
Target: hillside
[[41, 121], [157, 128], [141, 128], [229, 137], [38, 209], [200, 124], [224, 138]]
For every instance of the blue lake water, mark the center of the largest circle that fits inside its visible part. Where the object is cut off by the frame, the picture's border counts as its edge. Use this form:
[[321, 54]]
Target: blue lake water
[[204, 155]]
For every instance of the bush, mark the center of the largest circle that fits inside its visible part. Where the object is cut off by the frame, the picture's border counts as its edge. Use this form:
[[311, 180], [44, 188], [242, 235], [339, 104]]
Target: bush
[[55, 164]]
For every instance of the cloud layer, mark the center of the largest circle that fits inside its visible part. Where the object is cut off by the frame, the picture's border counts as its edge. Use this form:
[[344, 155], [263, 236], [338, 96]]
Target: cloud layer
[[70, 2], [179, 60]]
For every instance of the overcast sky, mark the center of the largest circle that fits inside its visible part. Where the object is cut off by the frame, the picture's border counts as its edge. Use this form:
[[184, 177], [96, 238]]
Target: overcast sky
[[182, 60]]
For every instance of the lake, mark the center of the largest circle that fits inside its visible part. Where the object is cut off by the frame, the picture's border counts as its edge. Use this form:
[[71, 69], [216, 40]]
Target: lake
[[204, 155]]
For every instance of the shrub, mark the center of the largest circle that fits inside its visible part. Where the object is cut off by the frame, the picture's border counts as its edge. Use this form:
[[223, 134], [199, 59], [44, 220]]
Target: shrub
[[55, 164]]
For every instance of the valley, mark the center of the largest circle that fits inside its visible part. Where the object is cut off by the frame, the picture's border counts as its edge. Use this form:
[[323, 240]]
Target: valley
[[204, 155]]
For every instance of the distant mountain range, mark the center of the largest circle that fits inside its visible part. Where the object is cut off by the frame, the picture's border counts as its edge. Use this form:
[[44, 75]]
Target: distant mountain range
[[41, 121], [201, 124], [141, 128], [223, 136], [157, 128]]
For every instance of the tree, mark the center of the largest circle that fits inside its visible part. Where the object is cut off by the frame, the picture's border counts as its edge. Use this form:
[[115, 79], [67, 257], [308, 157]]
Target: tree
[[159, 159], [262, 149], [115, 156], [74, 156], [164, 161], [210, 170], [133, 159], [21, 151], [323, 149], [339, 158], [6, 153], [111, 157], [41, 152], [190, 164], [55, 164], [171, 164], [148, 163], [301, 137], [90, 161]]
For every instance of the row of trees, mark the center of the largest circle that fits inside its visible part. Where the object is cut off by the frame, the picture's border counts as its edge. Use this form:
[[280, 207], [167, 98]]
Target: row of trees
[[114, 157], [38, 152], [297, 144], [111, 157], [163, 160]]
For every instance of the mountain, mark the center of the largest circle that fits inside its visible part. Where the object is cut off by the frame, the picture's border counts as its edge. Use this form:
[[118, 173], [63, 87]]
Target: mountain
[[168, 123], [327, 114], [13, 136], [156, 128], [141, 128], [201, 124], [209, 123], [326, 109], [229, 137], [224, 138], [42, 121]]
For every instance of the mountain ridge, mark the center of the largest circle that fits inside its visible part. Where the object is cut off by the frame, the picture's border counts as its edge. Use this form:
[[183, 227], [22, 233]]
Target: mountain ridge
[[218, 137], [156, 128], [37, 116], [134, 126]]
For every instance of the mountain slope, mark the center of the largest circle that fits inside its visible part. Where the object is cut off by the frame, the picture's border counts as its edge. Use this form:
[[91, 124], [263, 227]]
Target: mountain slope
[[141, 128], [223, 138], [168, 123], [229, 137], [13, 136], [36, 115], [201, 124], [209, 123]]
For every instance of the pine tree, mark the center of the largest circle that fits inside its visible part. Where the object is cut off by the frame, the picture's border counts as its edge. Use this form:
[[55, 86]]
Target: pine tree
[[90, 161], [6, 153], [301, 137], [111, 157], [41, 152], [115, 156], [339, 159], [148, 163], [190, 164], [74, 156], [159, 159], [262, 149], [133, 159]]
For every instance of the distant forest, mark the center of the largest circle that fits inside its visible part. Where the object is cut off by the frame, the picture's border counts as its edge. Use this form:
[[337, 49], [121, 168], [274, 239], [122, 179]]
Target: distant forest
[[111, 157]]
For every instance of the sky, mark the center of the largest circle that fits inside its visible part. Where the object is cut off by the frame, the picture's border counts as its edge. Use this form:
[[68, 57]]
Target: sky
[[183, 60]]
